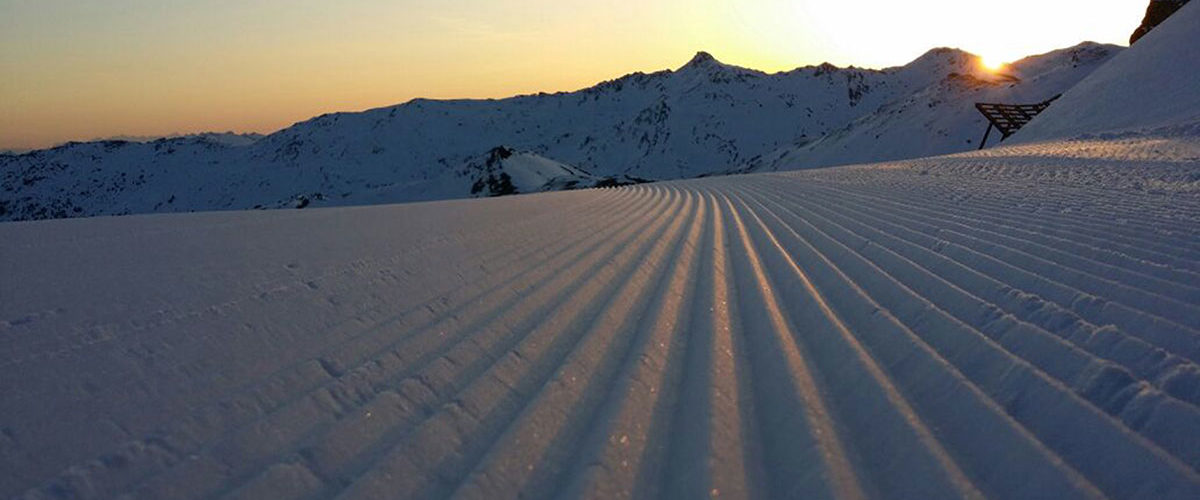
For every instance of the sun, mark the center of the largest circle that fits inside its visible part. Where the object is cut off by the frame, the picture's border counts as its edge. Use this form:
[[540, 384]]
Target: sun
[[991, 63]]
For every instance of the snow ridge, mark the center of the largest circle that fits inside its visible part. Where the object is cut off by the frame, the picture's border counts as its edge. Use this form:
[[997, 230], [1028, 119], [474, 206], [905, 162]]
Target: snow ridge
[[940, 118], [703, 118], [1150, 86]]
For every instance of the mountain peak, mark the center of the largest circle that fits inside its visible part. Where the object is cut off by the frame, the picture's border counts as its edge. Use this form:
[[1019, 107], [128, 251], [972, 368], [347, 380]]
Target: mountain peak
[[706, 66], [701, 59], [942, 61], [943, 54]]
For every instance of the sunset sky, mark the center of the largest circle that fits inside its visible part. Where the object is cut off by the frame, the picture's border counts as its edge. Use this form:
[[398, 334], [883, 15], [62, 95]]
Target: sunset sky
[[84, 69]]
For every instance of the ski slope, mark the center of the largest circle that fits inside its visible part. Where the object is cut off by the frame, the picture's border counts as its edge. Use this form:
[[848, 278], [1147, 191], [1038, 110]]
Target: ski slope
[[1016, 322], [1019, 322]]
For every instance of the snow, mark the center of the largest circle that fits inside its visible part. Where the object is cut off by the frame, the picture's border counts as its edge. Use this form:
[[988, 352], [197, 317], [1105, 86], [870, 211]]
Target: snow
[[531, 172], [941, 118], [705, 117], [506, 171], [1021, 321], [1017, 322], [1152, 86]]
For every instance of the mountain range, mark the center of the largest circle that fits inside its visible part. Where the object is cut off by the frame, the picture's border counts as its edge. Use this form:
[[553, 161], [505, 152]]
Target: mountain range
[[704, 118]]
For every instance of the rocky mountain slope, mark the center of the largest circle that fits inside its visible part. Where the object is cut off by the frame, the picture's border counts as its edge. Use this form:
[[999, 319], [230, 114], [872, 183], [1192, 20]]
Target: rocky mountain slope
[[1157, 12], [703, 118]]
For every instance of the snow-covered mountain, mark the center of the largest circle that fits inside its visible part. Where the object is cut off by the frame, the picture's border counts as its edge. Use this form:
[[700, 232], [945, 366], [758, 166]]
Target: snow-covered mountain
[[1150, 87], [231, 138], [703, 118], [498, 172], [941, 118], [504, 171]]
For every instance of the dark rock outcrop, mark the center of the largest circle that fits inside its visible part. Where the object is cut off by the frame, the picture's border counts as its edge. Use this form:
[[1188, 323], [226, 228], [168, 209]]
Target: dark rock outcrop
[[495, 182], [1156, 13]]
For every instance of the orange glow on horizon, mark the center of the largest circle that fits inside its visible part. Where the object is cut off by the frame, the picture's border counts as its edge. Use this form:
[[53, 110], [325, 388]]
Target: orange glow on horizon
[[87, 70]]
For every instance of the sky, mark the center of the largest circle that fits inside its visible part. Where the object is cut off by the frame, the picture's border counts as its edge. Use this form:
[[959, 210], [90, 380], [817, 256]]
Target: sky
[[86, 69]]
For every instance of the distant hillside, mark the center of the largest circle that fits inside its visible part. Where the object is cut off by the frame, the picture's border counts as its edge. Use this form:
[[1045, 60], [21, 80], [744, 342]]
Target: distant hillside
[[941, 118], [706, 117], [1151, 86]]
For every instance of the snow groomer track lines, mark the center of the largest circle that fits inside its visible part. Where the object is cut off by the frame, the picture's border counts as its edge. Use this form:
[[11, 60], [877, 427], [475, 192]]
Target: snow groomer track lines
[[878, 331]]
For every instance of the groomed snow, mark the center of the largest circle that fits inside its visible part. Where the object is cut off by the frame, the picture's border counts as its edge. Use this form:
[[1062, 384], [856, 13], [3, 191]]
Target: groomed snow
[[1020, 322]]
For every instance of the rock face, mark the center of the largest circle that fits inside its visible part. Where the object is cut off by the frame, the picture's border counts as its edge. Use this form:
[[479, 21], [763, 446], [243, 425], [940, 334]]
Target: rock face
[[1157, 12]]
